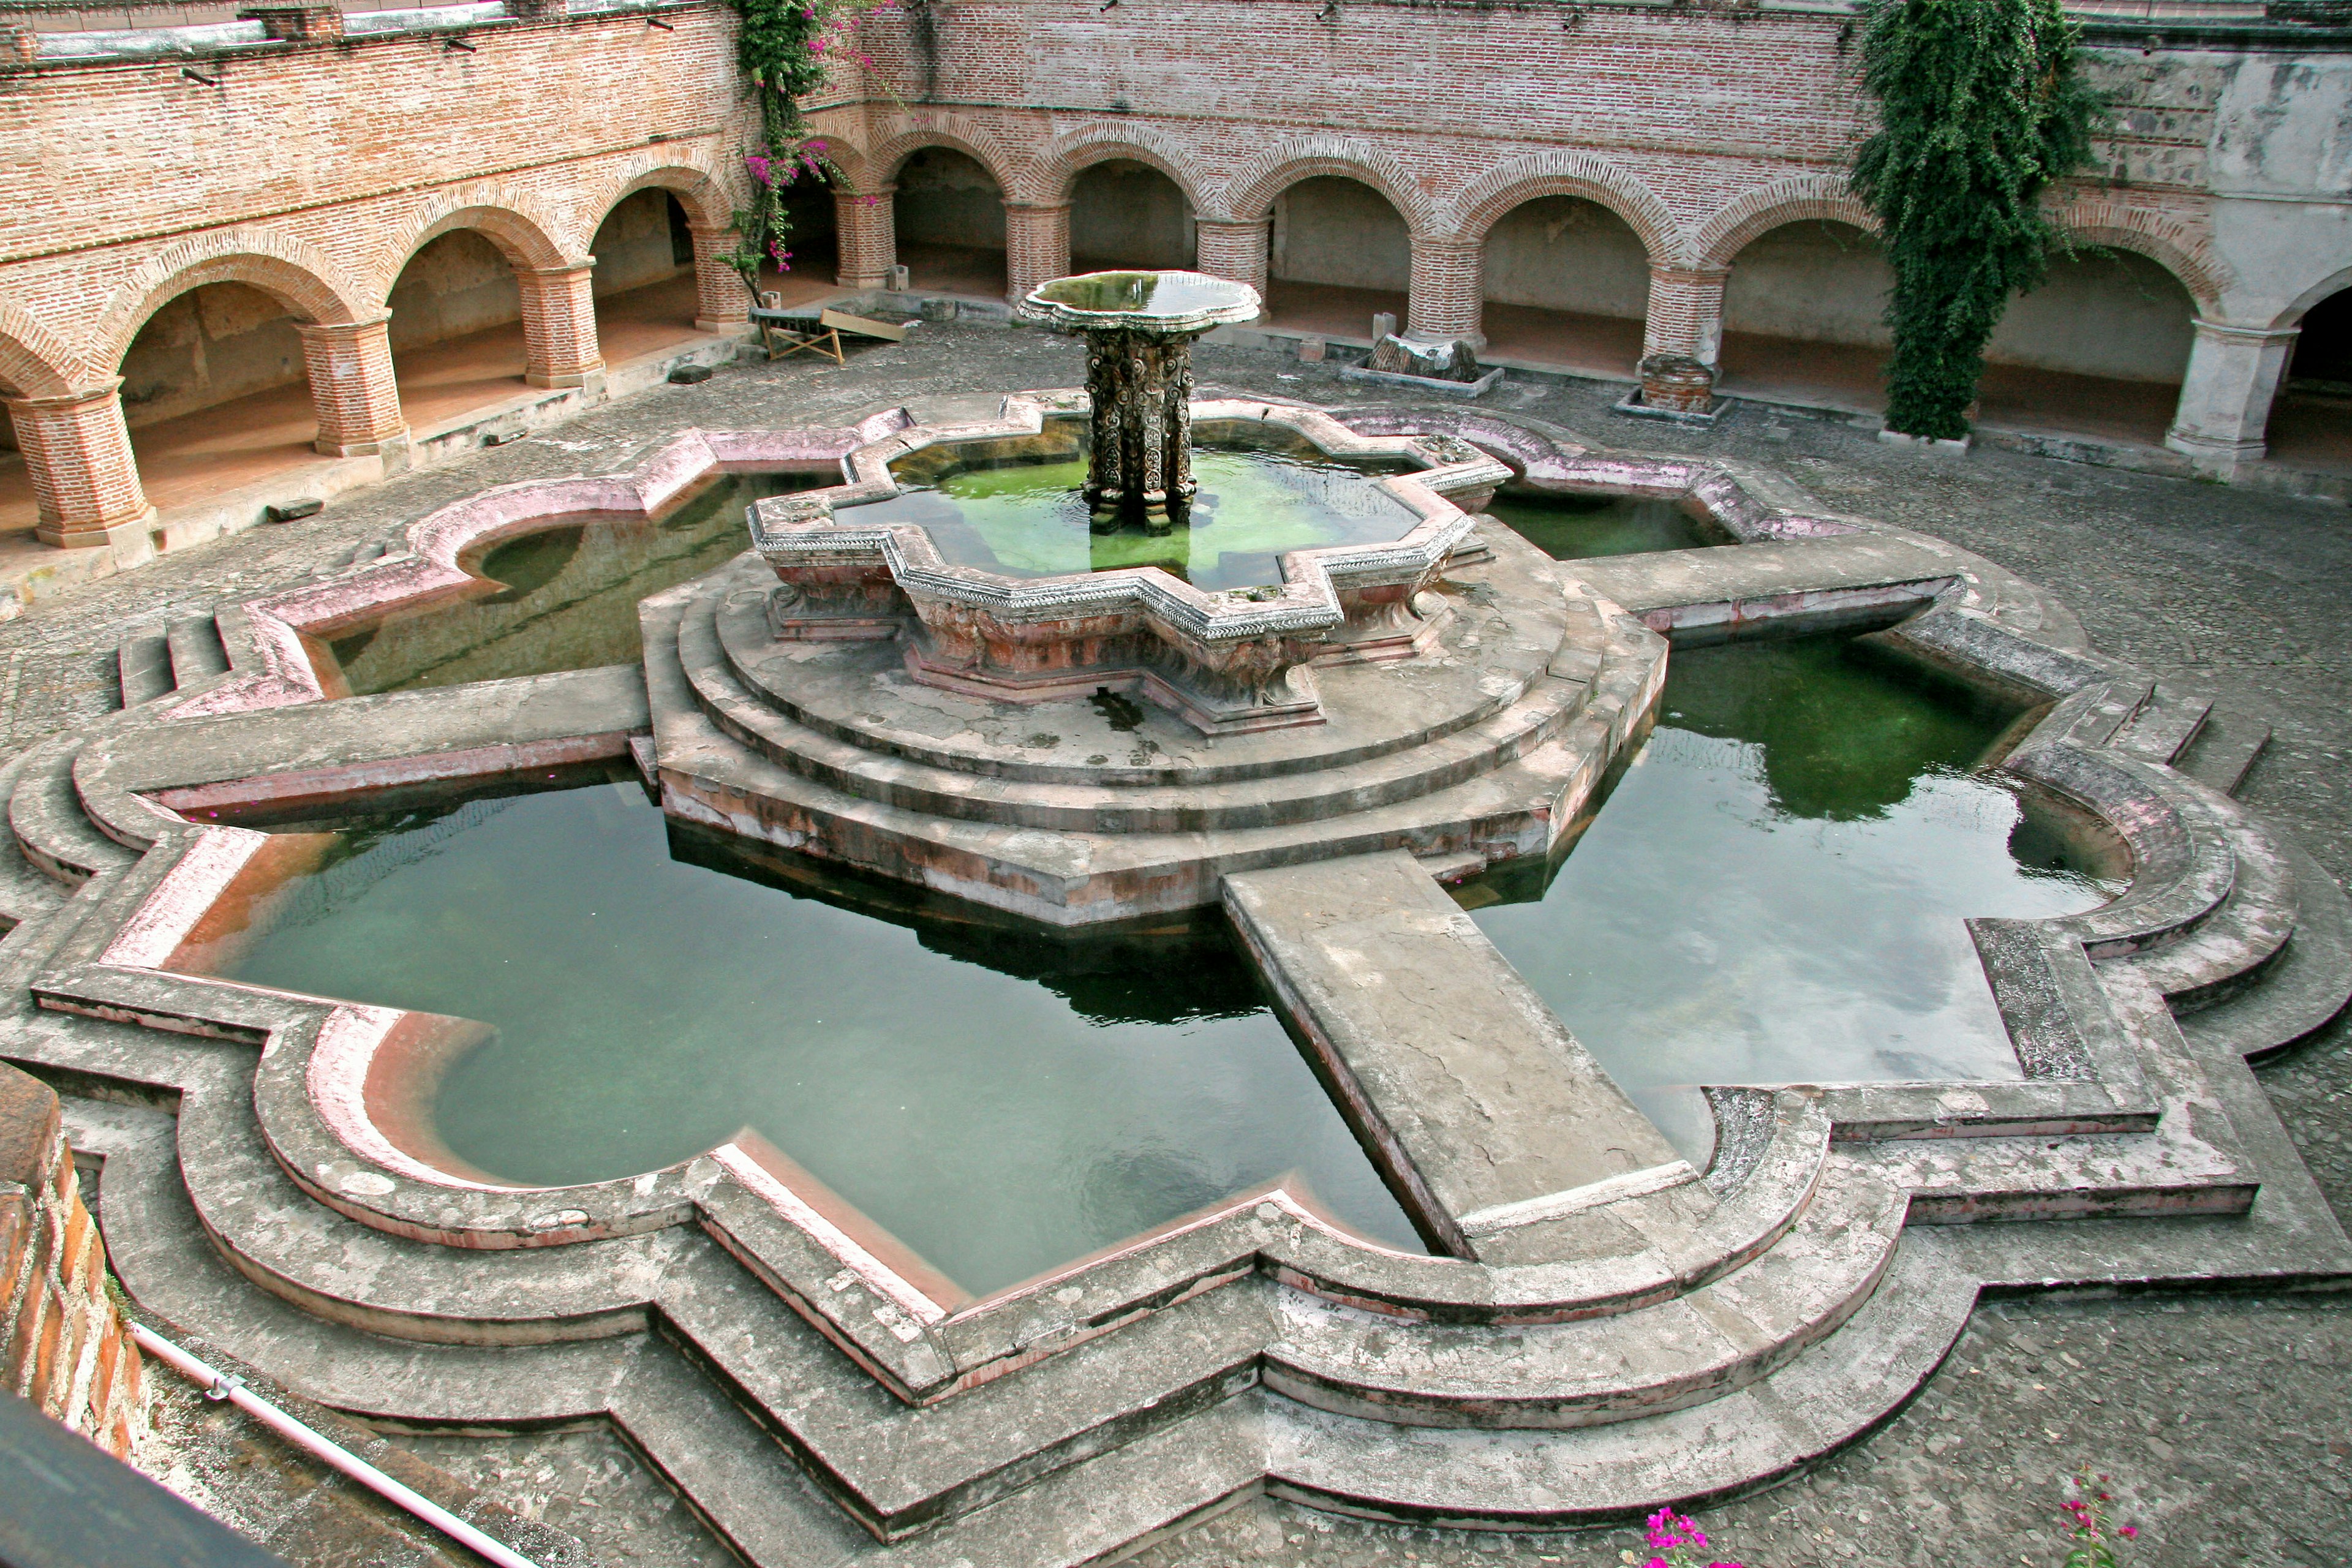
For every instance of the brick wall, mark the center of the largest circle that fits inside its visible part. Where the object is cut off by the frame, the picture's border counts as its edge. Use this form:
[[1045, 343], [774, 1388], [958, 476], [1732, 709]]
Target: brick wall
[[62, 1343]]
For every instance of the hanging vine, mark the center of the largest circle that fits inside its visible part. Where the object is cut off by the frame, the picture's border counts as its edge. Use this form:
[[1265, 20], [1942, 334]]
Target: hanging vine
[[785, 48], [1982, 105]]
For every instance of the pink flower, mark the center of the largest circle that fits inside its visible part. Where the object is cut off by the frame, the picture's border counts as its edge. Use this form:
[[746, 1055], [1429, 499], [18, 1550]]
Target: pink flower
[[2128, 1532]]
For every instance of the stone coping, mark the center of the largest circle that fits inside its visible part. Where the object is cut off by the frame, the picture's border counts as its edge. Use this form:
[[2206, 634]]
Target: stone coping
[[1817, 1266], [1222, 302]]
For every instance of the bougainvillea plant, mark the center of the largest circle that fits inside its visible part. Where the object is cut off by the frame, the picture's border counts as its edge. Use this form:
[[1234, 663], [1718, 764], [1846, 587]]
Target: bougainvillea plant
[[1672, 1538], [785, 48], [2094, 1537], [1981, 104]]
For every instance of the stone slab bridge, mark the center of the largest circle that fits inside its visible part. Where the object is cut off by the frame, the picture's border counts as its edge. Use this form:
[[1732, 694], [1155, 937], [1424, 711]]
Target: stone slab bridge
[[1602, 1329]]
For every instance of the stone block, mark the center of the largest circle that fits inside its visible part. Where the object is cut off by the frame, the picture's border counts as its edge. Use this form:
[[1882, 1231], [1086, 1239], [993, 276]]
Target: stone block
[[29, 1128], [1312, 350], [1678, 384], [292, 511], [1441, 359]]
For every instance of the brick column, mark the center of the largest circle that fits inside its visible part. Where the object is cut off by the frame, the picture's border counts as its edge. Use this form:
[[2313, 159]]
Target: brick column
[[559, 325], [2225, 401], [78, 453], [865, 230], [1036, 247], [352, 389], [63, 1345], [721, 304], [1448, 283], [1685, 314], [1234, 251]]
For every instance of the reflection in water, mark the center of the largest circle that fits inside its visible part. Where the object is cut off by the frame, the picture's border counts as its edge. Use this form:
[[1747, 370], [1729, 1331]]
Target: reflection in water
[[560, 597], [1774, 891], [1029, 520], [1578, 528], [1001, 1098]]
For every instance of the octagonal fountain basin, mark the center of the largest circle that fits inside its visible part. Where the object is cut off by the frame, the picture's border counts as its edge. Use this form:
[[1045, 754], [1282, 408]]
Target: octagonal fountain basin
[[1776, 887], [989, 548], [558, 593], [996, 1099], [1023, 513]]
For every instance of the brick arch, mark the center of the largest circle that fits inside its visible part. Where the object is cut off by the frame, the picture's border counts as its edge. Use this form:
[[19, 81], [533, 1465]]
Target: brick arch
[[957, 134], [34, 361], [2335, 282], [1054, 173], [294, 272], [2167, 240], [1533, 176], [706, 201], [524, 235], [1810, 198], [1247, 195]]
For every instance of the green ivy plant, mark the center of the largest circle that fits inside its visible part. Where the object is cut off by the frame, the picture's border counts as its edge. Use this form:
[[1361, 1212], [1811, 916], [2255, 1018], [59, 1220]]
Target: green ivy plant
[[784, 47], [1982, 105]]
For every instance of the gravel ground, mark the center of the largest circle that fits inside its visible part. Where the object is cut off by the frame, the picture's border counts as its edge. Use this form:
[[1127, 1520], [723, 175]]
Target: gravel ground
[[2227, 1422]]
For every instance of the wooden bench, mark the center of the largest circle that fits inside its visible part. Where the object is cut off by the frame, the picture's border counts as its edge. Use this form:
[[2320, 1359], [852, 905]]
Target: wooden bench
[[817, 333]]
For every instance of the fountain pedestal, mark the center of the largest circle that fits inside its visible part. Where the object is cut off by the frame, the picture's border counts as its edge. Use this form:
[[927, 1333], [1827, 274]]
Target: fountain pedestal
[[1140, 327]]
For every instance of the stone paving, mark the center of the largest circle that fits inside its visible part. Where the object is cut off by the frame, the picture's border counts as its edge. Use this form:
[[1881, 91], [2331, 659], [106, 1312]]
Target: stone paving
[[2223, 1420]]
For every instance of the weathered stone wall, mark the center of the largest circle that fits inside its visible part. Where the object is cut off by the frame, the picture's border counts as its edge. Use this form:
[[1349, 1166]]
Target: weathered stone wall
[[63, 1344]]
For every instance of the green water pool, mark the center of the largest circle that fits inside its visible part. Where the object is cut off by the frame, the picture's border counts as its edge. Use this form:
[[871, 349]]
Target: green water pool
[[566, 596], [1001, 1098], [1578, 528], [1030, 518], [1774, 889]]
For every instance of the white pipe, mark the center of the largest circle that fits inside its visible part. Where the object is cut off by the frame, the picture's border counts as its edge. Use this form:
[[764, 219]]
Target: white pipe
[[218, 1386]]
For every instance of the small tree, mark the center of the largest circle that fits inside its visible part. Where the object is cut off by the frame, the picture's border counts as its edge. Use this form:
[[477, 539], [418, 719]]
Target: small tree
[[1982, 106]]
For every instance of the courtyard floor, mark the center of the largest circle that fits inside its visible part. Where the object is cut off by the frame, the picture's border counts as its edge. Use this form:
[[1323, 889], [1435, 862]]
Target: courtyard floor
[[2223, 1420]]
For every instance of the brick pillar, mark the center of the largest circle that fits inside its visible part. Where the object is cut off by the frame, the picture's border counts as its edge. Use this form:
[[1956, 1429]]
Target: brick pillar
[[77, 454], [721, 304], [559, 325], [1036, 247], [865, 230], [1234, 251], [63, 1345], [352, 389], [2225, 400], [1685, 314], [1448, 282]]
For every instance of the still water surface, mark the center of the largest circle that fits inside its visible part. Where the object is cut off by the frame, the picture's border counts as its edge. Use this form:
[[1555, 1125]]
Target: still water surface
[[999, 1098]]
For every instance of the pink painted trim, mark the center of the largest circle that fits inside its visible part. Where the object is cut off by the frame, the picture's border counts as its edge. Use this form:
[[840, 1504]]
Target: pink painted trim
[[877, 1276], [165, 916], [337, 1080]]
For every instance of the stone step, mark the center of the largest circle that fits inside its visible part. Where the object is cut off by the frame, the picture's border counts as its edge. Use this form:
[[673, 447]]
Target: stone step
[[1692, 1349], [145, 662], [2299, 991], [2228, 948], [197, 655], [2167, 724], [46, 815], [1072, 877], [2225, 750], [1841, 1387], [719, 691], [26, 891]]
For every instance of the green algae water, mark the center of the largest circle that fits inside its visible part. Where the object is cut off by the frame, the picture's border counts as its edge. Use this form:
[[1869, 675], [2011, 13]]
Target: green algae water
[[1001, 1098], [561, 597], [1775, 889], [1030, 520], [1578, 528]]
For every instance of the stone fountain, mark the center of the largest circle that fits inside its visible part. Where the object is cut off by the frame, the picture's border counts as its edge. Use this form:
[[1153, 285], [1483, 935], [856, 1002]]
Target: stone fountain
[[1140, 327]]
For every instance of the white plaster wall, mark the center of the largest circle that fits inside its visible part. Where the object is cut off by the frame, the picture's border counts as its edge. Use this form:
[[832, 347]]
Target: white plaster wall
[[946, 198], [205, 347], [458, 284], [1819, 282], [1125, 214], [1563, 253], [1330, 229], [633, 246]]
